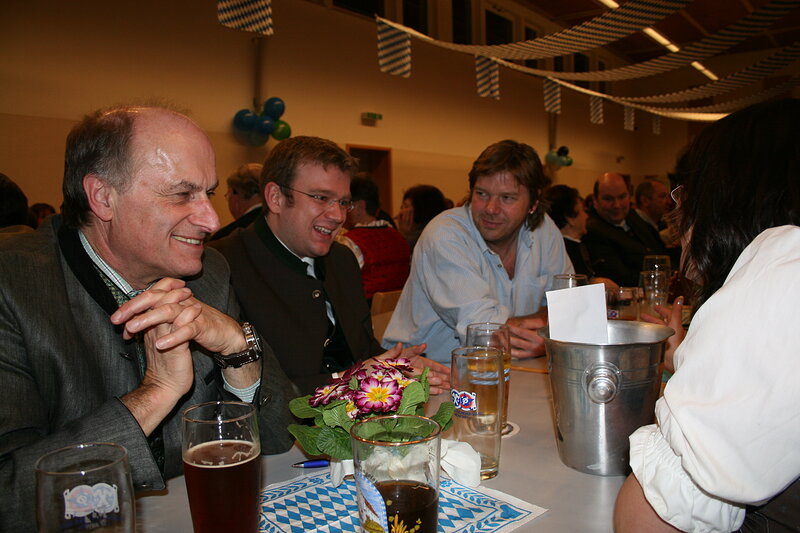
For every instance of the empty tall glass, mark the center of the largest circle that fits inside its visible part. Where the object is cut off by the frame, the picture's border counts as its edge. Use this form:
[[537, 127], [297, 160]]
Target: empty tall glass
[[476, 377], [655, 289], [86, 487], [568, 281]]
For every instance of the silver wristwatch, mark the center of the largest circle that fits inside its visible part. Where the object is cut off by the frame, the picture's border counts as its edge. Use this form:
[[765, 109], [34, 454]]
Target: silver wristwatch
[[252, 353]]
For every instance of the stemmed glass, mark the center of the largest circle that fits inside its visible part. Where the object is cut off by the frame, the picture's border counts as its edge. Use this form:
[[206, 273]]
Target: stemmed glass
[[495, 335]]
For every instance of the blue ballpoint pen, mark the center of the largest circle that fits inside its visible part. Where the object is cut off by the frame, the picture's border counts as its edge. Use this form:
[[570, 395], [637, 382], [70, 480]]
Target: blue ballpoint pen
[[314, 463]]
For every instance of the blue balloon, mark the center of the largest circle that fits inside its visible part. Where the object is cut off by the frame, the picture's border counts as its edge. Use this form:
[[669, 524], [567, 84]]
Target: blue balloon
[[265, 125], [245, 120], [274, 108]]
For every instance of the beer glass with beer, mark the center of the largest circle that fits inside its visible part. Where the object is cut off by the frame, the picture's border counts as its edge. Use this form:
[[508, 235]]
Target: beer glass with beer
[[497, 336], [86, 487], [476, 377], [396, 460], [221, 451]]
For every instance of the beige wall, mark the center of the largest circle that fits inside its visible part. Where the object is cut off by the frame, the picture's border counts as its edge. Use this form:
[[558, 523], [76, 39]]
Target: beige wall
[[61, 60]]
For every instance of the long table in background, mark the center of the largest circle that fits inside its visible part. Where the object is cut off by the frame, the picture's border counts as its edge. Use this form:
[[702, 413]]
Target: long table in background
[[530, 470]]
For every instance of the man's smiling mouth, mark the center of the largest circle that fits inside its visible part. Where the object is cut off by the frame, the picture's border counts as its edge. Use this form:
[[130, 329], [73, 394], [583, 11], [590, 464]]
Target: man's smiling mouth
[[187, 240]]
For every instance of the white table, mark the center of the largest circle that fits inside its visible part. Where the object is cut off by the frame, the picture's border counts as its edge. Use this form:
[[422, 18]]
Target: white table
[[530, 470]]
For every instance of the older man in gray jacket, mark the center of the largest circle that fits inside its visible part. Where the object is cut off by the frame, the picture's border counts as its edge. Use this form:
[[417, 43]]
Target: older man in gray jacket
[[114, 319]]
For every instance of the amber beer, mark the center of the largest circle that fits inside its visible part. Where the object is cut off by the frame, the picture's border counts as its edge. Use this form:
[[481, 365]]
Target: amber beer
[[223, 482], [221, 459]]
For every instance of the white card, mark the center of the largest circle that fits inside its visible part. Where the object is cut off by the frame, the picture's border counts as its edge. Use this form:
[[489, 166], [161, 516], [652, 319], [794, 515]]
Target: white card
[[578, 314]]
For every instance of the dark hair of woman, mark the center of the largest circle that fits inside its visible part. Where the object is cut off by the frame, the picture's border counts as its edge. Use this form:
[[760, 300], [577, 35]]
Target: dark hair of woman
[[428, 201], [739, 177], [563, 203]]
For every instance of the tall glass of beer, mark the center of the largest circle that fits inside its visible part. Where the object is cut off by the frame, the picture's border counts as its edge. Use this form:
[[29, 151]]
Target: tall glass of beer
[[221, 451], [497, 336]]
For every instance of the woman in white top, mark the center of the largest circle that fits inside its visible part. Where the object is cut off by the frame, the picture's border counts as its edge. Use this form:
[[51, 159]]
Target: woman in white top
[[725, 453]]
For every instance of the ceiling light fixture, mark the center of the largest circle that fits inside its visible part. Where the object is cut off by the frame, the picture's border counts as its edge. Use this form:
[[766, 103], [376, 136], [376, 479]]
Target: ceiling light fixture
[[660, 39], [710, 75]]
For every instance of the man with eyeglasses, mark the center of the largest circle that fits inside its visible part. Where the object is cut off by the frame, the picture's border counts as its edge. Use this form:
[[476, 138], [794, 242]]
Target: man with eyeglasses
[[616, 237], [301, 289]]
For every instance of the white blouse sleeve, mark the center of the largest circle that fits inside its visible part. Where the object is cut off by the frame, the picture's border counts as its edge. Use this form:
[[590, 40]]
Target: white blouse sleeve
[[728, 424]]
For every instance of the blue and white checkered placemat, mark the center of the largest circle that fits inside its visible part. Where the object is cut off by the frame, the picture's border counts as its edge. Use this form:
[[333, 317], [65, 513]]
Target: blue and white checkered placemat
[[310, 503]]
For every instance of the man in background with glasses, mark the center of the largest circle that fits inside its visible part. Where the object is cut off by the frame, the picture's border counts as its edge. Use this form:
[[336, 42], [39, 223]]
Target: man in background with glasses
[[301, 289]]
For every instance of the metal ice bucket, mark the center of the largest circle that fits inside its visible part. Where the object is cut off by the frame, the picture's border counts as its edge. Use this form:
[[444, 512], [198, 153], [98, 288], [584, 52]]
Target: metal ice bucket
[[603, 392]]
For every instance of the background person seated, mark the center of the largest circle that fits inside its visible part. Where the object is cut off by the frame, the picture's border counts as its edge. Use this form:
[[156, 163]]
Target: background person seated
[[617, 238], [420, 204], [244, 198], [565, 207], [382, 252]]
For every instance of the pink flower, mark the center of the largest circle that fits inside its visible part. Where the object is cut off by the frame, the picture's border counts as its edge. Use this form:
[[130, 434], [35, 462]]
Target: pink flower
[[327, 393], [402, 364], [378, 396]]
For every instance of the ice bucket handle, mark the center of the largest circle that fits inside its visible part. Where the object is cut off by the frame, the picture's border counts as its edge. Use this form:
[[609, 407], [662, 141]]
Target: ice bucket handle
[[602, 381]]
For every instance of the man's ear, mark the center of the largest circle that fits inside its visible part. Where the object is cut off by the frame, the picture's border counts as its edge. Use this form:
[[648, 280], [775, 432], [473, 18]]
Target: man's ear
[[273, 197], [101, 196]]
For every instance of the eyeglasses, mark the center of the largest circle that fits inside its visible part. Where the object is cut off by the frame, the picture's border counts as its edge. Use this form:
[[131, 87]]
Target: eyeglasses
[[321, 199], [675, 194]]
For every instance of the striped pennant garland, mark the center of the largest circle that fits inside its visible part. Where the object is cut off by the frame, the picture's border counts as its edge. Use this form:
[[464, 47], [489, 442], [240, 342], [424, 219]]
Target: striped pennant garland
[[656, 125], [552, 97], [246, 15], [628, 121], [488, 77], [700, 50], [394, 51], [596, 110], [612, 25], [749, 75]]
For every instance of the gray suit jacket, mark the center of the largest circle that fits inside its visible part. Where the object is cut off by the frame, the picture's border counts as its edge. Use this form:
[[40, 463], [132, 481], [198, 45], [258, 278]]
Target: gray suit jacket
[[64, 368]]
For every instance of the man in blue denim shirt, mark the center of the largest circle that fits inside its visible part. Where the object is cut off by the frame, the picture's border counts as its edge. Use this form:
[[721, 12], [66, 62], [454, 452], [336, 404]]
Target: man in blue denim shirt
[[489, 261]]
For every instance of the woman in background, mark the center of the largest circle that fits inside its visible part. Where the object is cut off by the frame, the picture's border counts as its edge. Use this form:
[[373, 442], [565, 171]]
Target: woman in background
[[420, 204], [724, 453], [568, 212]]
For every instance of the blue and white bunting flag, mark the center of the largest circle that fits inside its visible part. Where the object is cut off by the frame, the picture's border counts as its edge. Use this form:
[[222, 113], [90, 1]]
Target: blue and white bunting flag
[[246, 15]]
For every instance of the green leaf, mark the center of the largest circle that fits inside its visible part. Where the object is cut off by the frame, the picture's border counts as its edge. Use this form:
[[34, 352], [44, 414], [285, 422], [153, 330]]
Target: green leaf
[[413, 395], [307, 437], [444, 416], [335, 442], [301, 409], [337, 416]]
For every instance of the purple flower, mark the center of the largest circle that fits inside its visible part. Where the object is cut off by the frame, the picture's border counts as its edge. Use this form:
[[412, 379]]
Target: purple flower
[[378, 396], [402, 364], [327, 393]]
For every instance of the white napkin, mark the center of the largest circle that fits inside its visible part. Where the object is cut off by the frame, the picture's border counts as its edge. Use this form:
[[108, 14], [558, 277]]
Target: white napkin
[[461, 462], [458, 459], [578, 314], [340, 469]]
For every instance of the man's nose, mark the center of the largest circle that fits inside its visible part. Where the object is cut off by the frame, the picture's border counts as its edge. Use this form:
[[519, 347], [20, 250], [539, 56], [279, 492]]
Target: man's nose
[[205, 216]]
